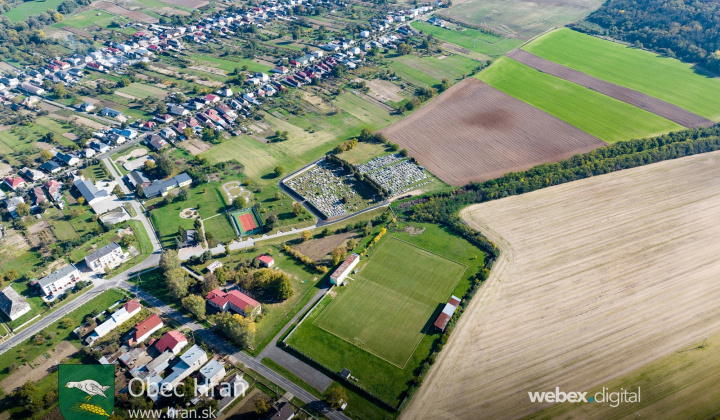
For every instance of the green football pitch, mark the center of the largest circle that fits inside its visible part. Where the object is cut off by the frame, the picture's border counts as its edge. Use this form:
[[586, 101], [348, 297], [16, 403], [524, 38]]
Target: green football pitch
[[389, 304]]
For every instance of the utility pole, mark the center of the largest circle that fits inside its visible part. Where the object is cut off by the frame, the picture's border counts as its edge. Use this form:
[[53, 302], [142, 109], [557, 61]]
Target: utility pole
[[702, 346]]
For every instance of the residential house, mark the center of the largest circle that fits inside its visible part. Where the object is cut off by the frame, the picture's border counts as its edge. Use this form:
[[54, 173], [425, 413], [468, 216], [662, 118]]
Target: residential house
[[11, 204], [168, 133], [164, 119], [172, 341], [190, 361], [157, 142], [14, 182], [59, 281], [99, 146], [38, 196], [109, 255], [51, 167], [178, 110], [67, 159], [12, 304], [145, 329], [210, 375], [88, 153], [32, 89], [127, 311], [54, 187], [266, 261]]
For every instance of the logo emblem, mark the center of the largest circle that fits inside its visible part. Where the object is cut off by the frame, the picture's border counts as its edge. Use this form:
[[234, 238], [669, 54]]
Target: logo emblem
[[86, 392]]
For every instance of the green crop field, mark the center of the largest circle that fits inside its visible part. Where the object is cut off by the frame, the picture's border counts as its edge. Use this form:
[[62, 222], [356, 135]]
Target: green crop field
[[391, 298], [602, 116], [384, 270], [472, 39], [24, 10], [662, 77], [429, 71]]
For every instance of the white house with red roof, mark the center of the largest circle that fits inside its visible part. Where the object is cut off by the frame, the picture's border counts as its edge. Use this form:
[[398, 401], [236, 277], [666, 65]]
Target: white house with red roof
[[127, 311], [173, 341], [235, 300], [14, 182], [266, 260], [144, 329], [212, 98]]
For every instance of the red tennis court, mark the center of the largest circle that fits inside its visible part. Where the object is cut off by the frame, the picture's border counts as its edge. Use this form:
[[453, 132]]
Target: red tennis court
[[247, 221]]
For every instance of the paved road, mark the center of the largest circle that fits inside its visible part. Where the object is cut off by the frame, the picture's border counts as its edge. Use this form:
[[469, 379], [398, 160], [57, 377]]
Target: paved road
[[309, 374]]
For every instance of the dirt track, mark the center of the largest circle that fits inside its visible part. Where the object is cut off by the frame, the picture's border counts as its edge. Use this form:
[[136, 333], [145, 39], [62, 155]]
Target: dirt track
[[597, 278], [656, 106], [474, 132]]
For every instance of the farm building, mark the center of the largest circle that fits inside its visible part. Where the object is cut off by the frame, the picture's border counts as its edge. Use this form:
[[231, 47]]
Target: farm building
[[235, 300], [12, 304], [338, 277], [266, 261], [447, 313]]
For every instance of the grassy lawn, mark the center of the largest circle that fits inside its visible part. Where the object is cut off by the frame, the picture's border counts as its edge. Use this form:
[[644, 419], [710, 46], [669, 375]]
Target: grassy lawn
[[664, 78], [26, 351], [472, 39], [91, 17], [167, 219], [220, 228], [370, 114], [388, 288], [363, 152], [382, 378], [258, 158], [602, 116], [22, 138], [24, 10], [142, 90], [429, 71], [229, 63]]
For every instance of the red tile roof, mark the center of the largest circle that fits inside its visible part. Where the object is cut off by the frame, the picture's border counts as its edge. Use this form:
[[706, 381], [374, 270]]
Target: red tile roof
[[132, 305], [170, 340], [14, 181], [148, 324], [266, 259], [234, 297]]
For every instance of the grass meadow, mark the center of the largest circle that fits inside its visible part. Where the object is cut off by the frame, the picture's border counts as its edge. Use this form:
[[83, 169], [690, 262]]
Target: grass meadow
[[472, 39], [602, 116], [429, 71], [661, 77], [377, 375], [24, 10]]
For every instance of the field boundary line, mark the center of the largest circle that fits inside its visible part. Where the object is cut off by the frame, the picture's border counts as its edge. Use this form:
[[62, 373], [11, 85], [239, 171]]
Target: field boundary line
[[314, 323]]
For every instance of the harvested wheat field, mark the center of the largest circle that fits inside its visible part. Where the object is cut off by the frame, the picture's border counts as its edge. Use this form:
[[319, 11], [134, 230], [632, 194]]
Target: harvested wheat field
[[474, 132], [597, 278]]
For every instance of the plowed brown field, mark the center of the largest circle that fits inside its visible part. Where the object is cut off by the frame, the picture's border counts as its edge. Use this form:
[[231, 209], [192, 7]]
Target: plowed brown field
[[474, 132], [664, 109], [596, 278]]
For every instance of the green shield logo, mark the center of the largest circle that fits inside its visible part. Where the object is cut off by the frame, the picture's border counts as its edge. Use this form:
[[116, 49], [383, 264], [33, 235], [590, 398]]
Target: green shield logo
[[86, 392]]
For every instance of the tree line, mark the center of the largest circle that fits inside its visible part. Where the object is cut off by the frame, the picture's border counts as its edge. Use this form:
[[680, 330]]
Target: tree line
[[688, 30]]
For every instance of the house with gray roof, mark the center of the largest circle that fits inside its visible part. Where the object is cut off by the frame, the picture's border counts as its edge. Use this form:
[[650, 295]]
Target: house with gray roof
[[88, 190], [161, 188], [110, 254], [12, 304], [59, 281]]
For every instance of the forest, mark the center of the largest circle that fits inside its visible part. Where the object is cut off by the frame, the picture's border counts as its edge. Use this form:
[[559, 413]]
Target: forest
[[685, 29]]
